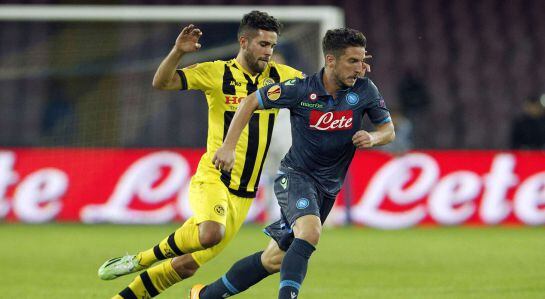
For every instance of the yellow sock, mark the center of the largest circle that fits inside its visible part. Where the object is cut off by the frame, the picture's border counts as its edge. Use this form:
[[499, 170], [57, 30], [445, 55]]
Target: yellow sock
[[184, 240], [151, 282]]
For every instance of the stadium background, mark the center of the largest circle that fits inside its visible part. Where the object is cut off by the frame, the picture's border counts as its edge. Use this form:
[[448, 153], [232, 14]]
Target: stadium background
[[85, 138]]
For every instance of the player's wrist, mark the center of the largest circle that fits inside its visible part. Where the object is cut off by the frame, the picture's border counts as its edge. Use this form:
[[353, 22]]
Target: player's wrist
[[177, 51]]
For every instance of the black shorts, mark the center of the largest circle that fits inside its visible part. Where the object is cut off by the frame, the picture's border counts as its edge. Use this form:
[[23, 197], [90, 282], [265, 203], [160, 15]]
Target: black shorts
[[298, 195]]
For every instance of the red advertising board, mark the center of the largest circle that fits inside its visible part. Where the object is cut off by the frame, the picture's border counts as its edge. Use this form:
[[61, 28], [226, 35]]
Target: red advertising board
[[150, 186]]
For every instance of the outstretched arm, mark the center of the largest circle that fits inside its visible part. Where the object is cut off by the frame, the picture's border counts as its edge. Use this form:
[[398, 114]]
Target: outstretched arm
[[384, 134], [188, 41], [224, 159]]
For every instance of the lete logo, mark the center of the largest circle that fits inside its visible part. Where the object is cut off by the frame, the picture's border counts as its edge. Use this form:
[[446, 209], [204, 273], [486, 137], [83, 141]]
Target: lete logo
[[419, 188], [331, 121]]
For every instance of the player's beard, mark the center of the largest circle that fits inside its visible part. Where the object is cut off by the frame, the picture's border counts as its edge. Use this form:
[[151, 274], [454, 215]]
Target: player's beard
[[340, 83], [253, 62]]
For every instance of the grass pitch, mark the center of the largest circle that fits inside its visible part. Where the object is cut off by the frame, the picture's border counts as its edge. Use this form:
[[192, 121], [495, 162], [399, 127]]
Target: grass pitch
[[60, 261]]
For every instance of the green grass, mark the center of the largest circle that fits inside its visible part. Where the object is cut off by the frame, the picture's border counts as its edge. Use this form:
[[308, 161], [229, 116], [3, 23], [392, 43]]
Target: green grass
[[60, 261]]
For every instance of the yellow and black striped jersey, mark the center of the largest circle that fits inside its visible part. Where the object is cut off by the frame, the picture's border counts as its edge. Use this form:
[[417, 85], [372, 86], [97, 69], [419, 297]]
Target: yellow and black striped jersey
[[226, 84]]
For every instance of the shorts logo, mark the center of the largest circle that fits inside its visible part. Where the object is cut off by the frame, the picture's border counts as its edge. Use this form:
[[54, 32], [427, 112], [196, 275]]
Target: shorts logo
[[169, 252], [268, 81], [284, 183], [302, 203], [274, 92], [352, 98], [220, 210]]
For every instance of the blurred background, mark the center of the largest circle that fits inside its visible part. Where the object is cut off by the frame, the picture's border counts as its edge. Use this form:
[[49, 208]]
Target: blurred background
[[458, 73]]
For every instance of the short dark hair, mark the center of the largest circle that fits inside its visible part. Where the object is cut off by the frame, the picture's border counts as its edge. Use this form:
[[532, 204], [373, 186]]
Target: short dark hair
[[256, 20], [337, 40]]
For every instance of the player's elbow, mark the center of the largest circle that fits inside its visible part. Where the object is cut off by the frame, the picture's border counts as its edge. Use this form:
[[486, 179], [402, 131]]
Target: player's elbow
[[159, 84], [391, 136]]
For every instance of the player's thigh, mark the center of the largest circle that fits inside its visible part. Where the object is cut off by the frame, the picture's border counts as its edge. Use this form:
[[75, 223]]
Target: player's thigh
[[238, 208], [308, 228], [297, 196], [209, 200]]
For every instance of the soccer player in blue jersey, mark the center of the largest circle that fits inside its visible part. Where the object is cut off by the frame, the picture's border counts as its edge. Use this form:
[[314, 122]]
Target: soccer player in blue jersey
[[327, 111]]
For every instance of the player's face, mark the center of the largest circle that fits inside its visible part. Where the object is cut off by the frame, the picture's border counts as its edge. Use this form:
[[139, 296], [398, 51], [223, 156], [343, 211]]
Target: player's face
[[349, 66], [258, 50]]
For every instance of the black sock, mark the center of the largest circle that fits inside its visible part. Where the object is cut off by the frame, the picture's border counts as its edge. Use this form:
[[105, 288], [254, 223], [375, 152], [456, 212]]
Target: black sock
[[294, 268], [242, 275]]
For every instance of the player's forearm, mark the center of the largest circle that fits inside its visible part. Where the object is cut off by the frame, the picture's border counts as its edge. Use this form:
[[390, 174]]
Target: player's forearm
[[383, 135], [165, 75], [240, 120]]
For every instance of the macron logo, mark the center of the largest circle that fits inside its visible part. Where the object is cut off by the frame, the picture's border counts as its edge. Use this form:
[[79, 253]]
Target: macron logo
[[331, 121], [293, 295]]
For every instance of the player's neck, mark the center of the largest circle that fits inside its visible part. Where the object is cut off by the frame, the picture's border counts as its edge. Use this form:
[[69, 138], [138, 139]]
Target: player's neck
[[330, 84], [244, 64]]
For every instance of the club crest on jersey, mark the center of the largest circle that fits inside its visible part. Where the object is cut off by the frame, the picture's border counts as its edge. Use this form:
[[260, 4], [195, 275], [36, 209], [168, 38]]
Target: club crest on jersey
[[352, 98], [313, 97], [268, 81], [274, 92], [331, 121]]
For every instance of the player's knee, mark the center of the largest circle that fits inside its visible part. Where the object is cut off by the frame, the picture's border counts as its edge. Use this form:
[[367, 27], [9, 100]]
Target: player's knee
[[185, 266], [311, 235], [308, 228], [210, 233]]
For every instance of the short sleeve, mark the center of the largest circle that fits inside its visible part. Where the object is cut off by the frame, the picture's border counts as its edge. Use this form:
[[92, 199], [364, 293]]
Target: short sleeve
[[199, 76], [378, 113], [376, 110], [282, 95]]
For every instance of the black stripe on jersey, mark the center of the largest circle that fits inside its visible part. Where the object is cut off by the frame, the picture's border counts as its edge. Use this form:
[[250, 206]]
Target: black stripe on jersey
[[183, 79], [227, 118], [250, 86], [273, 74], [251, 152], [227, 79], [158, 254], [146, 280], [173, 245], [269, 137], [127, 293]]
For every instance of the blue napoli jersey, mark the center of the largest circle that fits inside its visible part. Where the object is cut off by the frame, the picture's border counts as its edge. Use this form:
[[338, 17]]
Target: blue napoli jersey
[[322, 126]]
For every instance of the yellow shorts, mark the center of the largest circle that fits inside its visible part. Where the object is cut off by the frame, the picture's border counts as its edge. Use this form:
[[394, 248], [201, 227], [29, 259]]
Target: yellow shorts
[[210, 200]]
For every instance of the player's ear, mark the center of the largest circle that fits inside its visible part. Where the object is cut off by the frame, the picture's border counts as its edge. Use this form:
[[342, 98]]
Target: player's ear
[[243, 41], [330, 60]]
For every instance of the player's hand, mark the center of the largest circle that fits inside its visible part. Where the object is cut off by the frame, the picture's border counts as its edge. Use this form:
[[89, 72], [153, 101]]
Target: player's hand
[[366, 66], [224, 159], [188, 40], [363, 139]]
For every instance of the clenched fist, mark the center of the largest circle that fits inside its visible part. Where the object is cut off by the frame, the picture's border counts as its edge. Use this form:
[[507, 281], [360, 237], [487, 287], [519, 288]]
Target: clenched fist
[[363, 139]]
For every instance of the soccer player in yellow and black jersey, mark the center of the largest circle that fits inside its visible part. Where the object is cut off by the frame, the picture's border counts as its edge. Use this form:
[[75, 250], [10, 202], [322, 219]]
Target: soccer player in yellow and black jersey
[[220, 200]]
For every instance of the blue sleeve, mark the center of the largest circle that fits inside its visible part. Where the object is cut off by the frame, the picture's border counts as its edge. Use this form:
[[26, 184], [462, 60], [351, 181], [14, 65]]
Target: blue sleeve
[[282, 95], [376, 110]]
